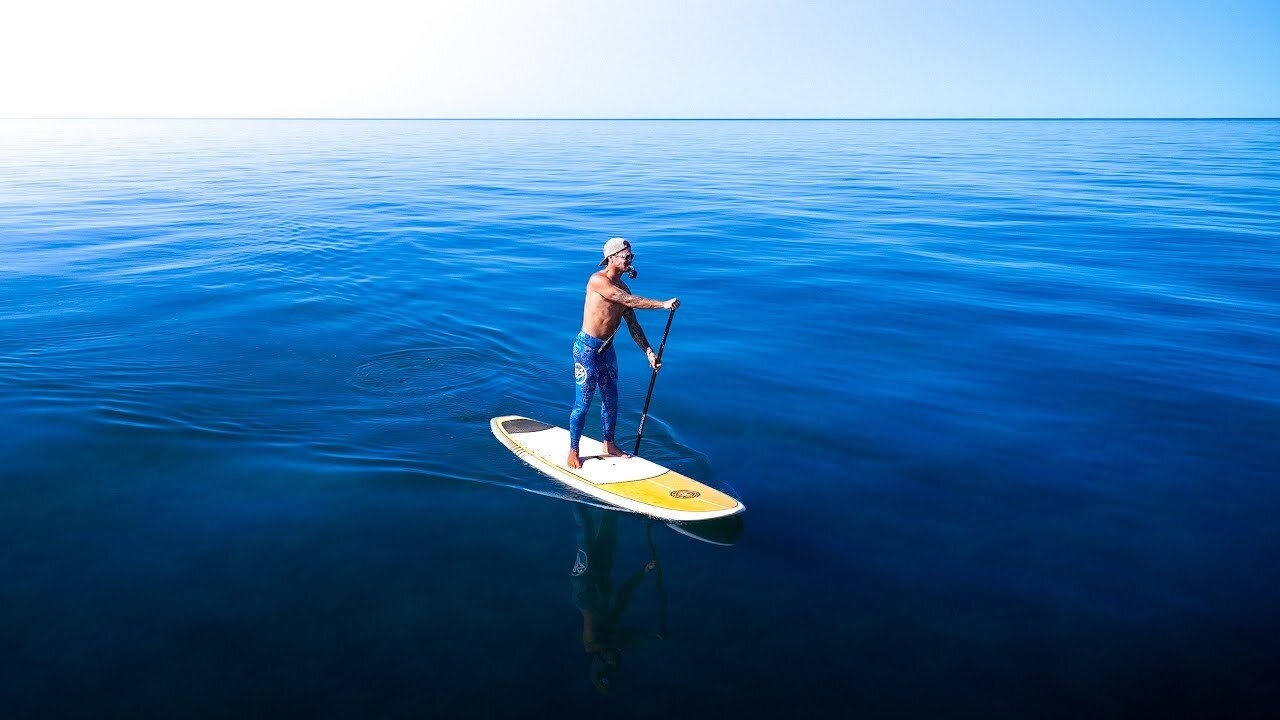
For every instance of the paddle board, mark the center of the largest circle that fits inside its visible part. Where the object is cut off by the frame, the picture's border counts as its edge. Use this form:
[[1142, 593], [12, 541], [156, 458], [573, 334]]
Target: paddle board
[[629, 483]]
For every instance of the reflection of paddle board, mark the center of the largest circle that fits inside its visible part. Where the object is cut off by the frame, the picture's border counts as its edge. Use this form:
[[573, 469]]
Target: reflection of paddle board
[[632, 483], [721, 531]]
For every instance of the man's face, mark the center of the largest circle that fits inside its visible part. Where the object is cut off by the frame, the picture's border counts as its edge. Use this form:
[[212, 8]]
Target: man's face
[[623, 258]]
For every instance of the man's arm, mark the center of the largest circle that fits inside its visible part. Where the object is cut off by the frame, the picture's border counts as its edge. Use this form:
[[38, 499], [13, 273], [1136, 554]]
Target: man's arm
[[613, 293], [637, 333]]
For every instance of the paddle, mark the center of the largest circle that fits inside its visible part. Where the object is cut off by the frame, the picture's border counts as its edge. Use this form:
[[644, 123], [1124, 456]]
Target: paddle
[[652, 379]]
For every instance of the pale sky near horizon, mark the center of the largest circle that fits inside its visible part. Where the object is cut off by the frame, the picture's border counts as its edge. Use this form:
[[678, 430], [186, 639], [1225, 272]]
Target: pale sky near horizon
[[651, 58]]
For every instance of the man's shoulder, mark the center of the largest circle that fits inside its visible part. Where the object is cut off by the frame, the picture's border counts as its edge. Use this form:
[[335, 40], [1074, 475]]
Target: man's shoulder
[[601, 279]]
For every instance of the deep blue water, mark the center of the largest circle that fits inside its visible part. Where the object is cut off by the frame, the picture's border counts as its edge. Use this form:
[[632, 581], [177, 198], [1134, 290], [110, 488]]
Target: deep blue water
[[1001, 398]]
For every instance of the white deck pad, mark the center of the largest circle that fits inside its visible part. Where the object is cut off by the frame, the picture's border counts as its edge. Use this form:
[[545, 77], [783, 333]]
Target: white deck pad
[[552, 446]]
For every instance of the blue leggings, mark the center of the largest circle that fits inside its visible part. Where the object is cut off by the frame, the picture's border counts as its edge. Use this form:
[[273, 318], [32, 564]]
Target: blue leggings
[[593, 369]]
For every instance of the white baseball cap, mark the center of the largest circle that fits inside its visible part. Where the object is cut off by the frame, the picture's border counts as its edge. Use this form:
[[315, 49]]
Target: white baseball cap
[[613, 247]]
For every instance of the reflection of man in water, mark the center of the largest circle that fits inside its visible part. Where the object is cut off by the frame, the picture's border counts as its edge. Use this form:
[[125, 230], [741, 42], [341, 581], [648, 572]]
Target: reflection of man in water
[[603, 635]]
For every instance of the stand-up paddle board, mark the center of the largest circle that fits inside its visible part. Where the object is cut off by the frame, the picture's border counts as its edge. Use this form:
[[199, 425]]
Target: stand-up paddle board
[[629, 483]]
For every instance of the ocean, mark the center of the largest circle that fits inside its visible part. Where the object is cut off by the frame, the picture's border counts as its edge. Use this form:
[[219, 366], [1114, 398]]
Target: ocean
[[1001, 399]]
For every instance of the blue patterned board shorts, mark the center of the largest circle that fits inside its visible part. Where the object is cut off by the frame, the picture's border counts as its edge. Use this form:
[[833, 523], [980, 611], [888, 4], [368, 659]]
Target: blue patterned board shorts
[[592, 369]]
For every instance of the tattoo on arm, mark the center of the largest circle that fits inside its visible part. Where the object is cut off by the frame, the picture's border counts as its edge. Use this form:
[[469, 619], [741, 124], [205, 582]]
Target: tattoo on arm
[[633, 325], [622, 297]]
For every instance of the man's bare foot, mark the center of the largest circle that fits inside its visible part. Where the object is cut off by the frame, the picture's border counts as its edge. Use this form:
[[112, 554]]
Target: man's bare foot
[[573, 460], [611, 449]]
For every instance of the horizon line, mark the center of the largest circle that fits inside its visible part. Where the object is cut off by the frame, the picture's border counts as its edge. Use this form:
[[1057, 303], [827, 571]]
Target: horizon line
[[648, 119]]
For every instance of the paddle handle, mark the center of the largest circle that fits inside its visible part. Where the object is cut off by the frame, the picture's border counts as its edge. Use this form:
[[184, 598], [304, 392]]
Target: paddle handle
[[653, 379]]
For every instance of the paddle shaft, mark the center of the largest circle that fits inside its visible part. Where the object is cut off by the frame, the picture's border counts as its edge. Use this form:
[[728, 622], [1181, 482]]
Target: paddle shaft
[[653, 379]]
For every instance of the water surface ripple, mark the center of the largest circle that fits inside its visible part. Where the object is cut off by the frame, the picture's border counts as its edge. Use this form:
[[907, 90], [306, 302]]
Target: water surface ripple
[[1002, 398]]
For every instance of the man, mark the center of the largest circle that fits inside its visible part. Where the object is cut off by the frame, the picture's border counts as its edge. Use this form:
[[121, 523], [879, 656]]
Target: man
[[609, 302]]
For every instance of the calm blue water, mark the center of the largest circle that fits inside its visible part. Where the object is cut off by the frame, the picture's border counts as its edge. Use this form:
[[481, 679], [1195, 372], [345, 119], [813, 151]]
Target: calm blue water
[[1001, 398]]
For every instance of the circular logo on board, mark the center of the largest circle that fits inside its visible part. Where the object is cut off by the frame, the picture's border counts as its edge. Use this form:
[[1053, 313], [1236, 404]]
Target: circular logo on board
[[685, 494]]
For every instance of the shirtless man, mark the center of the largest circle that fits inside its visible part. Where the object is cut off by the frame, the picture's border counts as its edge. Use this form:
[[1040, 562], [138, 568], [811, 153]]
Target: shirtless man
[[609, 301]]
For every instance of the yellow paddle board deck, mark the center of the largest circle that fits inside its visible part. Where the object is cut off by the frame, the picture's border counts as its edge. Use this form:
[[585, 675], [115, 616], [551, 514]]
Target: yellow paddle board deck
[[630, 483]]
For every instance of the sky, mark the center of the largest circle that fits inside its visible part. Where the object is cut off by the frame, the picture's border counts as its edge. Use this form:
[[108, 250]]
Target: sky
[[643, 58]]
